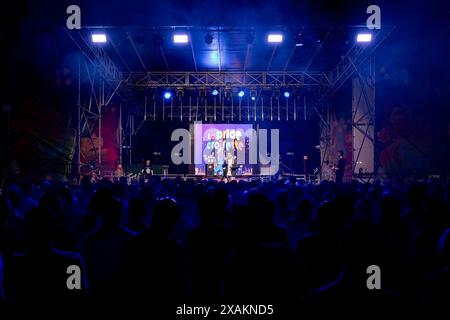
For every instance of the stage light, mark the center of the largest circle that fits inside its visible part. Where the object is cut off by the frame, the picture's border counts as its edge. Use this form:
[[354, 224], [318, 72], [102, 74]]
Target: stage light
[[167, 95], [215, 92], [364, 37], [275, 38], [287, 94], [180, 38], [253, 98], [98, 37], [253, 95], [241, 93]]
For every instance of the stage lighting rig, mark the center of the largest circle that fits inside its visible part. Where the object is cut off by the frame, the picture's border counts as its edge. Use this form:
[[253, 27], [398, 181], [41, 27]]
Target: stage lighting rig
[[98, 37]]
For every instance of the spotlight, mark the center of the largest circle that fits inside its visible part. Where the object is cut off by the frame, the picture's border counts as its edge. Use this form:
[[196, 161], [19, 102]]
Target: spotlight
[[215, 92], [180, 38], [287, 94], [364, 37], [208, 39], [275, 38], [253, 98], [253, 95], [241, 93], [98, 37], [167, 95]]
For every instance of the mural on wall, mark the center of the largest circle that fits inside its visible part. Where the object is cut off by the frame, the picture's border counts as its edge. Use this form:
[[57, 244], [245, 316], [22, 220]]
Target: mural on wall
[[44, 145], [44, 134], [341, 140], [108, 144], [403, 143], [407, 126]]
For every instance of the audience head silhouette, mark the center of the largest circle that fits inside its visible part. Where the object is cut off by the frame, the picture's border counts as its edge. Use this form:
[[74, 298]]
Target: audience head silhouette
[[165, 215], [40, 225]]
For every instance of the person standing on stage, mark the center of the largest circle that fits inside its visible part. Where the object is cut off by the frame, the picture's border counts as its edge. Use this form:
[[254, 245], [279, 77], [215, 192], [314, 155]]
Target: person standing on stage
[[340, 167], [147, 170], [119, 171], [229, 165]]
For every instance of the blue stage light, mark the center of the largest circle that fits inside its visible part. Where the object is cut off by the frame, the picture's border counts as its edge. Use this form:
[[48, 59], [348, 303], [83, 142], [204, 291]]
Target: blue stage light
[[276, 38], [167, 95], [180, 38], [364, 37], [241, 93], [215, 92], [253, 98], [98, 37], [286, 94]]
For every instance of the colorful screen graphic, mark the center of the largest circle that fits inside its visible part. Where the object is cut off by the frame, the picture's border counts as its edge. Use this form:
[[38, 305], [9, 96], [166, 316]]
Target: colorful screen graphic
[[222, 145]]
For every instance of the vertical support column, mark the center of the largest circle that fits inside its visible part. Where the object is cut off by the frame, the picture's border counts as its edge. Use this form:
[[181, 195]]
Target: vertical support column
[[131, 138], [100, 140], [120, 134], [325, 136], [79, 117], [363, 118]]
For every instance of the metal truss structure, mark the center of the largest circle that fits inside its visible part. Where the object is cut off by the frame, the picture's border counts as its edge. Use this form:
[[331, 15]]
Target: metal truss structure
[[97, 58], [99, 81], [223, 108], [267, 79], [103, 81], [363, 119], [358, 63]]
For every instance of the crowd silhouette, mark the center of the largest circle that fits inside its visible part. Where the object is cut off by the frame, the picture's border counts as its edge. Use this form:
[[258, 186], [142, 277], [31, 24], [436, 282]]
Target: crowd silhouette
[[157, 244]]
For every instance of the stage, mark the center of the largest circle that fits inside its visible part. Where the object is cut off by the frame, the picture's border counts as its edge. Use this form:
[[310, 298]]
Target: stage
[[133, 178]]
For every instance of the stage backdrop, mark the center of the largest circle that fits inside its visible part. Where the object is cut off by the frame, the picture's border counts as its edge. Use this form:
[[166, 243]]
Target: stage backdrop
[[220, 142], [297, 139]]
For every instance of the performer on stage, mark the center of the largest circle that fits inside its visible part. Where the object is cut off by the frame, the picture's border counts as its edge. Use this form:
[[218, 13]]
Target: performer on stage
[[228, 165], [119, 171], [340, 167], [147, 170]]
